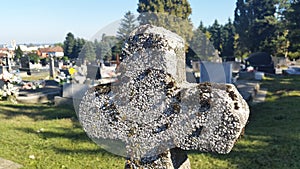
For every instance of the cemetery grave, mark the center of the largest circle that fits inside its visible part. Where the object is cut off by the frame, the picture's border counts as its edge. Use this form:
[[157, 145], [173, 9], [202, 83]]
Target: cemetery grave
[[152, 114]]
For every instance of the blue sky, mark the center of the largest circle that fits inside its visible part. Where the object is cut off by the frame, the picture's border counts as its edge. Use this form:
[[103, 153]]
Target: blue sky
[[48, 21]]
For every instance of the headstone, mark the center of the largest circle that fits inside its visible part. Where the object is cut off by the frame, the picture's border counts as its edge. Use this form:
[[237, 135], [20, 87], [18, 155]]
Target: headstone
[[51, 67], [8, 63], [25, 64], [56, 63], [44, 62], [236, 67], [152, 114], [1, 83], [93, 72], [261, 61], [1, 70], [1, 73], [215, 72]]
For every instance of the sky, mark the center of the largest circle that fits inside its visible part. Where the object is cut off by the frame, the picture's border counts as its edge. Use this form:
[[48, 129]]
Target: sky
[[48, 21]]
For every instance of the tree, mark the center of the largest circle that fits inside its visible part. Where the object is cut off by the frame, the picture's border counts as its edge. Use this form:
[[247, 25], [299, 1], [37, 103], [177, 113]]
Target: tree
[[18, 53], [107, 44], [127, 25], [88, 52], [69, 44], [241, 24], [228, 34], [107, 48], [79, 44], [200, 46], [255, 24], [170, 14], [293, 25], [33, 57], [216, 38]]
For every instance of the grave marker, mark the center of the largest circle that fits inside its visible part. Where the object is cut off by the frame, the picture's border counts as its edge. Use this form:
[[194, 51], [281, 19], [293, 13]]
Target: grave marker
[[93, 72], [215, 72], [152, 114]]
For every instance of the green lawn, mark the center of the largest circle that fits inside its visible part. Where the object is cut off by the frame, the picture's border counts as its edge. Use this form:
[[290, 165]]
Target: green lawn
[[55, 139]]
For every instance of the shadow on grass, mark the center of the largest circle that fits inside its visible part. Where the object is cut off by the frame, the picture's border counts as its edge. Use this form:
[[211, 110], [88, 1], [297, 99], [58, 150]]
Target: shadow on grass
[[58, 132], [36, 112], [86, 151], [272, 138], [75, 135]]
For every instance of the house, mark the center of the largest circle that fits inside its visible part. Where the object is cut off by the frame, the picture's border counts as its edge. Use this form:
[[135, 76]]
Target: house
[[56, 51], [5, 53]]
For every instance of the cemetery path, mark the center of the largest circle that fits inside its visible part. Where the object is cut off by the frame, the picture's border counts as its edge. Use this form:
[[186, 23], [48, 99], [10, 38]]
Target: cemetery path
[[260, 96]]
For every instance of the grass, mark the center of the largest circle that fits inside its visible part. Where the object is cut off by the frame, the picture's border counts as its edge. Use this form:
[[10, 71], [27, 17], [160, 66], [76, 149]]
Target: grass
[[55, 138], [272, 138], [52, 135], [35, 76]]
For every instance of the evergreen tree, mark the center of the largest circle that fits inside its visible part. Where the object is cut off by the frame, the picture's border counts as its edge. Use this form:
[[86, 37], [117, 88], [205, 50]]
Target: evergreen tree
[[98, 50], [33, 57], [293, 22], [216, 38], [69, 44], [106, 47], [241, 24], [200, 46], [88, 52], [79, 44], [18, 53], [228, 34], [127, 25], [255, 25], [170, 14]]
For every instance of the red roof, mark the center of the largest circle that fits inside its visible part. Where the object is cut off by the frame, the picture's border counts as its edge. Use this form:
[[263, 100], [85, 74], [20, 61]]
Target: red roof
[[51, 49], [4, 49], [2, 55]]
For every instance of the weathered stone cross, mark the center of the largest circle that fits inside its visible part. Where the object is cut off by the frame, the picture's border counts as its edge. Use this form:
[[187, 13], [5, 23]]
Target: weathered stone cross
[[152, 115]]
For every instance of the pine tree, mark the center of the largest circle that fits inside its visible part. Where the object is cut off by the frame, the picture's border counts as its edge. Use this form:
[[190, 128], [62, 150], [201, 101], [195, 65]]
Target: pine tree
[[200, 46], [293, 22], [18, 53], [127, 25], [106, 48], [170, 14], [88, 52], [79, 44], [255, 23], [228, 34], [216, 38], [69, 44]]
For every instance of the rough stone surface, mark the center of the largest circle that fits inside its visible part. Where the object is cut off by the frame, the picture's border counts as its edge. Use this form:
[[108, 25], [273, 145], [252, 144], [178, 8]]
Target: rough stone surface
[[171, 159], [6, 164], [152, 114]]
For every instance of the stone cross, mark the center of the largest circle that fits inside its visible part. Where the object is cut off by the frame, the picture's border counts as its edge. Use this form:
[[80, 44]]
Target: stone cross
[[152, 115]]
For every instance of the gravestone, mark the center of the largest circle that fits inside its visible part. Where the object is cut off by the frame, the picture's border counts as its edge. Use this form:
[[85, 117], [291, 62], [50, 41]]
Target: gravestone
[[44, 62], [215, 72], [56, 63], [25, 64], [152, 115], [93, 72], [1, 69]]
